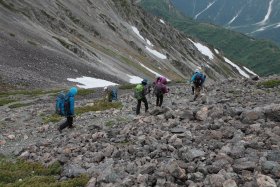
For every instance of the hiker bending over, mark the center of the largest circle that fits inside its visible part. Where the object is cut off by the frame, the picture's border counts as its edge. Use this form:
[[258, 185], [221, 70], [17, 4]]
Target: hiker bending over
[[160, 89], [197, 79], [110, 94], [140, 92], [68, 107]]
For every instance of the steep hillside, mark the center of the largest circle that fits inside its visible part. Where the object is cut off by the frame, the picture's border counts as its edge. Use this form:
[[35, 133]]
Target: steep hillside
[[256, 18], [50, 43], [261, 56]]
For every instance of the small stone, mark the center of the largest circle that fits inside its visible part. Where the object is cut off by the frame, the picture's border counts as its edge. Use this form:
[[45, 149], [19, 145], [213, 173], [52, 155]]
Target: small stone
[[230, 183], [265, 181], [11, 137]]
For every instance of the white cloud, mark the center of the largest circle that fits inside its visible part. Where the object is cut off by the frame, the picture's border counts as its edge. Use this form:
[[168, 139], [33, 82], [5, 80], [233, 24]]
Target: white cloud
[[203, 49], [237, 67], [89, 82], [137, 32], [156, 53]]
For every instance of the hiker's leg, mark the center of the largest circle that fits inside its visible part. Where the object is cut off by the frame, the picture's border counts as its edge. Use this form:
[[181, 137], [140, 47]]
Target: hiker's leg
[[146, 104], [197, 92], [193, 90], [157, 103], [70, 122], [138, 107], [160, 100], [63, 125]]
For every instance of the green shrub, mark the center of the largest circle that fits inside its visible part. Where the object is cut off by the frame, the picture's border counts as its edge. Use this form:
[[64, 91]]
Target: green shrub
[[83, 92], [269, 84], [127, 86], [6, 101], [99, 105], [54, 118], [14, 173]]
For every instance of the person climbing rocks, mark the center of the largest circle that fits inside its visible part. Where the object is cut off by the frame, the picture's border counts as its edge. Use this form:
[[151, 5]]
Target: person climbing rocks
[[160, 89], [198, 80], [140, 92], [69, 113], [110, 94]]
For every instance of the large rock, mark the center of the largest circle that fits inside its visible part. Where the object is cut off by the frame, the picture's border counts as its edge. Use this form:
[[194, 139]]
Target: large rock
[[73, 170], [251, 116], [229, 183], [194, 153], [187, 114], [265, 181], [216, 180], [176, 171], [202, 114], [244, 165]]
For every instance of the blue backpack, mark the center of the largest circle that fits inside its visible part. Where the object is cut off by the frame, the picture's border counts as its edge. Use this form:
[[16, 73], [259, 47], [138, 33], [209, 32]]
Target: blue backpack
[[199, 79], [62, 106]]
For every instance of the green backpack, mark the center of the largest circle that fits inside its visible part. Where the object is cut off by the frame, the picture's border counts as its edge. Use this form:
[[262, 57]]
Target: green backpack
[[138, 91]]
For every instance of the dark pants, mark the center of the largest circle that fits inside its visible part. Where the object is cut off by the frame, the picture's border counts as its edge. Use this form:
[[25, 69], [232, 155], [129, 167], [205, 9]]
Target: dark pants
[[144, 100], [67, 123], [159, 100]]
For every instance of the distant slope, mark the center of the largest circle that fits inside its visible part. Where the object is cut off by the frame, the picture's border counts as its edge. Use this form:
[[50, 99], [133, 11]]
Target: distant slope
[[260, 55], [256, 18]]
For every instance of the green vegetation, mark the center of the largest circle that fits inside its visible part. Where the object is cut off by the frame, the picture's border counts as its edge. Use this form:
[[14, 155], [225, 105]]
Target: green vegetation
[[269, 84], [27, 92], [116, 121], [83, 92], [259, 55], [99, 105], [19, 105], [21, 173], [127, 86], [5, 101], [54, 118]]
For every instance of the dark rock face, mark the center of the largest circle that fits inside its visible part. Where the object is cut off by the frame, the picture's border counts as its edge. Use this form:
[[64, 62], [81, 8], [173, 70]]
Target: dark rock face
[[201, 145]]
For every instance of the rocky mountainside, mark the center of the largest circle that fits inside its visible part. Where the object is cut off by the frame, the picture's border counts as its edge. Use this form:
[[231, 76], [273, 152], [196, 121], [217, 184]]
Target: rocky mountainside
[[228, 137], [256, 18], [44, 43]]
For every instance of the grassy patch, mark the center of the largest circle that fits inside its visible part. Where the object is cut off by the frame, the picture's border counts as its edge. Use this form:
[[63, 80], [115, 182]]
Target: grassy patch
[[22, 173], [127, 86], [110, 123], [27, 92], [54, 118], [83, 92], [269, 84], [6, 101], [98, 106], [19, 105]]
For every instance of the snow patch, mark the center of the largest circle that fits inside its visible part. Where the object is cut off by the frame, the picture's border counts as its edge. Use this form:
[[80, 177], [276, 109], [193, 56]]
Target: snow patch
[[203, 49], [277, 26], [134, 79], [250, 71], [162, 21], [236, 16], [267, 14], [152, 71], [89, 82], [156, 53], [149, 43], [244, 74], [216, 51], [137, 32], [208, 6]]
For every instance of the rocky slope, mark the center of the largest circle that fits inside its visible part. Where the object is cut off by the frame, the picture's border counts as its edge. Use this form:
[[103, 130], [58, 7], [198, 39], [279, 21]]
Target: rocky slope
[[42, 43], [228, 137]]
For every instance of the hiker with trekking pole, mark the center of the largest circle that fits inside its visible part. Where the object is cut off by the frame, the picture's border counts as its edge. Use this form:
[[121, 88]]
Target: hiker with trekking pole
[[197, 79], [160, 89]]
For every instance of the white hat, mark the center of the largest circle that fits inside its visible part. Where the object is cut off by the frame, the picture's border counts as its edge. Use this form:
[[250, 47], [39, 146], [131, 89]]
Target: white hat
[[197, 71]]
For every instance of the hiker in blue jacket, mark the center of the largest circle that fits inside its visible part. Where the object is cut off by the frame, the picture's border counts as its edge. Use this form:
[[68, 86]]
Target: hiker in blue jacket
[[197, 79], [70, 112]]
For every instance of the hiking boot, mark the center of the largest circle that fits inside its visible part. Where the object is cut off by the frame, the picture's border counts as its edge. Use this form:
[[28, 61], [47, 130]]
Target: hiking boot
[[71, 127], [60, 131]]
